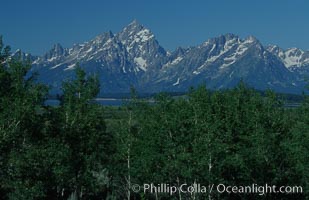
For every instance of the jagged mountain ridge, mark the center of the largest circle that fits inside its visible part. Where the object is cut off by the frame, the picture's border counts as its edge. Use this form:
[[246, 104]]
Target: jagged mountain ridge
[[133, 57]]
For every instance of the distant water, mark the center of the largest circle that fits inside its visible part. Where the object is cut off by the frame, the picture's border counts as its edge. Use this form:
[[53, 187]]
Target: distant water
[[120, 102], [101, 101], [51, 102], [111, 102]]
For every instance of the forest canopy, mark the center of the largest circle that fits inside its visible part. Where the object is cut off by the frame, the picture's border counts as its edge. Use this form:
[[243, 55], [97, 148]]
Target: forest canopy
[[83, 150]]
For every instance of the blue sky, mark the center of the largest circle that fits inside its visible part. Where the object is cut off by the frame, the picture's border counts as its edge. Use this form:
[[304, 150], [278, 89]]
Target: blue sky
[[35, 25]]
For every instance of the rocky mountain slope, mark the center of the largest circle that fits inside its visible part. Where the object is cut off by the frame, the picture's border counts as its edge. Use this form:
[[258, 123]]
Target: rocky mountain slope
[[133, 57]]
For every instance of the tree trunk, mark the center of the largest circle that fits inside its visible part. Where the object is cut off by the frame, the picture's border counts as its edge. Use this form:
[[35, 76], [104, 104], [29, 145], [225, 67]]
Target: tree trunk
[[209, 173], [129, 175], [179, 192], [129, 156]]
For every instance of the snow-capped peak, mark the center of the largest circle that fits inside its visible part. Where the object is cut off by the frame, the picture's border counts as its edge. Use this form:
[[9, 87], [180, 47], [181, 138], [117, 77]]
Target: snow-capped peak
[[134, 57], [131, 29], [134, 23], [292, 57], [56, 52], [100, 39], [135, 33], [251, 39]]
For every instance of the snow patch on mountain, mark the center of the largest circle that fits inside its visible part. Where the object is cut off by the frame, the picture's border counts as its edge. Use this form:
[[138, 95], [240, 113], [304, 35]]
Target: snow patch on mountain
[[292, 57], [196, 72], [70, 67], [177, 60], [145, 35], [177, 82], [52, 59], [173, 62], [234, 57], [53, 67], [134, 57], [227, 47], [250, 40], [141, 62], [89, 50]]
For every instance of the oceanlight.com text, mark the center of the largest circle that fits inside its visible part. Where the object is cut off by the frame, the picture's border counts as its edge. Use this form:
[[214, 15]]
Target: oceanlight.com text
[[164, 188]]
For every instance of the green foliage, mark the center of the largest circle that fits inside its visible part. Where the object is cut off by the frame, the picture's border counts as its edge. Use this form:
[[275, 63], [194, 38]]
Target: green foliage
[[81, 127], [51, 152], [235, 137], [20, 121], [82, 150]]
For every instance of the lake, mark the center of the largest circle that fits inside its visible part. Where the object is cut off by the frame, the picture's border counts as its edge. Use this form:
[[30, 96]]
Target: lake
[[101, 101]]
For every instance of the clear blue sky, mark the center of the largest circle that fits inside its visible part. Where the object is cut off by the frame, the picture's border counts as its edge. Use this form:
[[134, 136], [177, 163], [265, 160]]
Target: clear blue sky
[[35, 25]]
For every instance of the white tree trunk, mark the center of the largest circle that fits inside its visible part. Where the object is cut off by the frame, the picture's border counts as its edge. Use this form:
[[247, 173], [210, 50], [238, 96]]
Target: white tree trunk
[[209, 172], [129, 156]]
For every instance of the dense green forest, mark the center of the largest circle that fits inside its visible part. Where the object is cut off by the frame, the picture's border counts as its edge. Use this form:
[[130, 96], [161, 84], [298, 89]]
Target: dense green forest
[[82, 150]]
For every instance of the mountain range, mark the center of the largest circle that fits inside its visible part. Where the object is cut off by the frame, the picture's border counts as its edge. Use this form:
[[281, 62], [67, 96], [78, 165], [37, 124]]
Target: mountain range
[[133, 57]]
